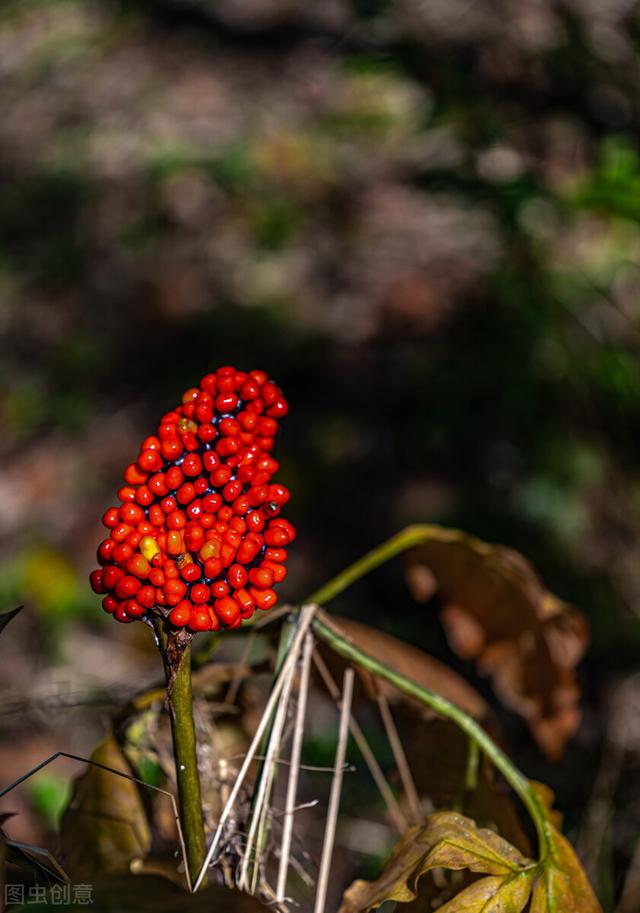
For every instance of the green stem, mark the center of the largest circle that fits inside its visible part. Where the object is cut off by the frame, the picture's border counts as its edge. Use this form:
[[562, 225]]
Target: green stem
[[186, 760], [185, 756], [407, 538], [519, 783]]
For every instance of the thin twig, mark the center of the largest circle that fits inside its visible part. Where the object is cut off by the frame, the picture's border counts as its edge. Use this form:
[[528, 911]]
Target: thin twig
[[118, 773], [296, 749], [262, 798], [283, 762], [395, 812], [400, 757], [336, 790], [306, 616]]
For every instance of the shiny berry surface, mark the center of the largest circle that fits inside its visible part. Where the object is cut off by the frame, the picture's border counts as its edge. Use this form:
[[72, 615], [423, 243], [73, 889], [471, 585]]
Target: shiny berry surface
[[198, 538]]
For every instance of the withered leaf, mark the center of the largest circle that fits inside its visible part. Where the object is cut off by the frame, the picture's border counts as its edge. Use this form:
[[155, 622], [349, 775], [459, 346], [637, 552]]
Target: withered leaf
[[498, 613], [447, 840], [105, 826], [563, 886], [494, 894]]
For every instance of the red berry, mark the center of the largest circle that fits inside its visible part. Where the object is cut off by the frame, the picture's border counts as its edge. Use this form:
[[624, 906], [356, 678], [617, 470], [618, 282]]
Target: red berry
[[180, 614], [177, 519], [250, 390], [149, 461], [172, 449], [131, 513], [122, 553], [110, 576], [146, 596], [134, 609], [191, 572], [174, 591], [192, 465], [247, 551], [276, 554], [269, 394], [174, 478], [139, 566], [279, 409], [264, 599], [276, 537], [261, 577], [95, 578], [144, 495], [127, 586], [245, 602], [237, 576], [158, 484], [226, 402], [278, 571], [110, 604], [111, 517], [227, 610], [207, 432], [134, 476], [200, 593], [200, 619], [156, 576]]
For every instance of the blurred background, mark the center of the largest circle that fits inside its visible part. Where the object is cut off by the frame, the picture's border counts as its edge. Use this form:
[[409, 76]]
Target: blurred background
[[422, 217]]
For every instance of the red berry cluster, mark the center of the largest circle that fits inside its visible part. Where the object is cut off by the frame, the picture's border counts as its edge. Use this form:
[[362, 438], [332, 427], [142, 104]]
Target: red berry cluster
[[198, 537]]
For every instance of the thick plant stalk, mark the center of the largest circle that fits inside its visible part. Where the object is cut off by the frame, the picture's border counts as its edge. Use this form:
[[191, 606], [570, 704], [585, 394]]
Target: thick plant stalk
[[187, 776], [328, 632]]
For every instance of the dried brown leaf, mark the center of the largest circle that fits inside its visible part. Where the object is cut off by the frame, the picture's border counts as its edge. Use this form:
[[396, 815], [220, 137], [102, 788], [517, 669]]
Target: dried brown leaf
[[498, 614], [105, 826]]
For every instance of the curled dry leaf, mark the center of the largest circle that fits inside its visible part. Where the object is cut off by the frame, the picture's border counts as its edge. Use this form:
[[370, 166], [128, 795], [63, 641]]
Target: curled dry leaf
[[105, 826], [498, 613], [447, 840]]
